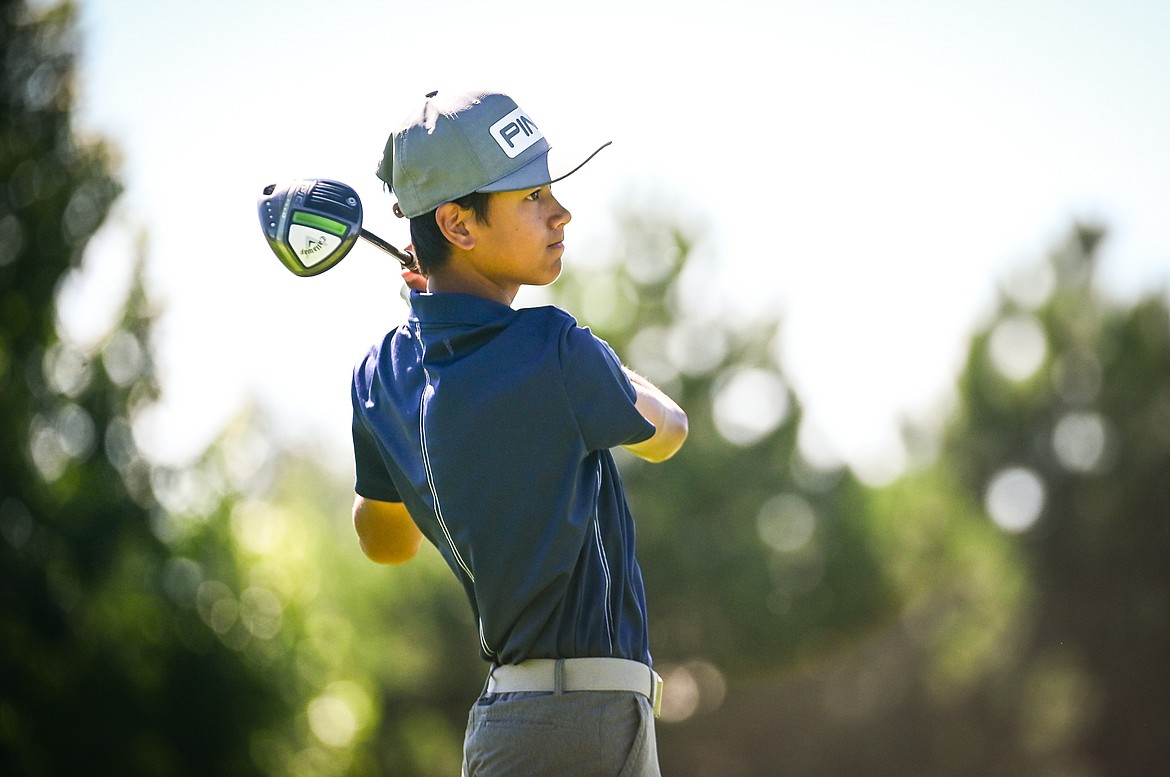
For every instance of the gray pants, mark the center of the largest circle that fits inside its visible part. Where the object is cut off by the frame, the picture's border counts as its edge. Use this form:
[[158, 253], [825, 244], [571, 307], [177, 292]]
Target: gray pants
[[579, 734]]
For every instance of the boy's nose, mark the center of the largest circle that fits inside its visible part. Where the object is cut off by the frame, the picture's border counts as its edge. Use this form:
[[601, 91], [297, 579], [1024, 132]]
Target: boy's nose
[[561, 216]]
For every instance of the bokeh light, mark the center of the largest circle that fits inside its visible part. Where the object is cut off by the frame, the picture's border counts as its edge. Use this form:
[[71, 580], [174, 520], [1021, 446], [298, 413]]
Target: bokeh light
[[1018, 347], [67, 370], [696, 347], [124, 358], [339, 713], [691, 688], [1080, 440], [1015, 499], [260, 612], [648, 350], [786, 523], [258, 526], [749, 404]]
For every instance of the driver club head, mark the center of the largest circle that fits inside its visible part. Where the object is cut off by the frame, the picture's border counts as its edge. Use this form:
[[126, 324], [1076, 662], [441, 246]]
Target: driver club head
[[310, 223]]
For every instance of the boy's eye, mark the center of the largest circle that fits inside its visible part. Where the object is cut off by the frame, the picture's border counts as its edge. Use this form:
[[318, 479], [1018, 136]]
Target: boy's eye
[[534, 195]]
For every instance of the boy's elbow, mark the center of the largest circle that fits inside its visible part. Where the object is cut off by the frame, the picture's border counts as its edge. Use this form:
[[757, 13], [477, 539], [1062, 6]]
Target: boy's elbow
[[676, 435], [387, 553], [385, 531]]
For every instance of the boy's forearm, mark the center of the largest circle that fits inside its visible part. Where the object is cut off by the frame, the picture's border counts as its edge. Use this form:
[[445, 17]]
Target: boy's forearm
[[652, 402], [670, 421]]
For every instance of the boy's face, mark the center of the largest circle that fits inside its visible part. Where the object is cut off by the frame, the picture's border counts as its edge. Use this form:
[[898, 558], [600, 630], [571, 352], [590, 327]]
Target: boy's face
[[521, 241]]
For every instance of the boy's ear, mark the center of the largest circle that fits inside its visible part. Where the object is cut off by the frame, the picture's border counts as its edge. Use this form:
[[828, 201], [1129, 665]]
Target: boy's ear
[[453, 223]]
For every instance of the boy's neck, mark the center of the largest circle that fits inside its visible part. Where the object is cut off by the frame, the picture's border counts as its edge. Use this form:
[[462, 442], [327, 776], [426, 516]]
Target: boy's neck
[[449, 280]]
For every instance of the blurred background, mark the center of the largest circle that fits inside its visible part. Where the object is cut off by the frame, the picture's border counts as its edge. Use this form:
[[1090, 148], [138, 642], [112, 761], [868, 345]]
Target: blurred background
[[905, 267]]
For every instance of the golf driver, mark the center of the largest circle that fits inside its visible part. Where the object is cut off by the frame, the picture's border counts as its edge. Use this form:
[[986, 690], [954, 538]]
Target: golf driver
[[312, 223]]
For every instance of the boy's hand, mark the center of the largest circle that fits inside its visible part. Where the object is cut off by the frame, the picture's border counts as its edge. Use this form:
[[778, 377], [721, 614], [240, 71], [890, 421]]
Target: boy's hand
[[414, 280]]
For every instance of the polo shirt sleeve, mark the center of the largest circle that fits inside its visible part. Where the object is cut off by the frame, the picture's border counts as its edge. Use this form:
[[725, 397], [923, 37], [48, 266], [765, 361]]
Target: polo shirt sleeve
[[599, 392], [372, 480]]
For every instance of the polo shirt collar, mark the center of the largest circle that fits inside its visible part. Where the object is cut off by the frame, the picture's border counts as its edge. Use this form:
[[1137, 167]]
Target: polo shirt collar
[[464, 309]]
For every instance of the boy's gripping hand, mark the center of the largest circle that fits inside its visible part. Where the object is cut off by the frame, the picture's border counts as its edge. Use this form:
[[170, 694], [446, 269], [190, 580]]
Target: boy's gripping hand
[[670, 421]]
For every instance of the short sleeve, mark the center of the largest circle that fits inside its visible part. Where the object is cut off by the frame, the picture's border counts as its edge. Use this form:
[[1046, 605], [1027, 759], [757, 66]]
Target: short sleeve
[[372, 480], [599, 392]]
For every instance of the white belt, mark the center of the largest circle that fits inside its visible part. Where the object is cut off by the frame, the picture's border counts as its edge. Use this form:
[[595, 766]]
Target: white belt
[[566, 675]]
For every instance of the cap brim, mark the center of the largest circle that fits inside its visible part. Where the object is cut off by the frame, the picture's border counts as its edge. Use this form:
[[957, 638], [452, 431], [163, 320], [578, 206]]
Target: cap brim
[[543, 170]]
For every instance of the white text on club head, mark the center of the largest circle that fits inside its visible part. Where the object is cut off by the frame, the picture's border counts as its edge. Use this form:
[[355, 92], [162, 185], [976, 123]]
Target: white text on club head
[[313, 246]]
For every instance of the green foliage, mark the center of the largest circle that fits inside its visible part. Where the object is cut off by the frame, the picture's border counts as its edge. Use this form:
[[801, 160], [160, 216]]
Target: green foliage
[[1087, 428], [372, 665], [1028, 560], [125, 645], [754, 559], [1001, 611], [965, 598]]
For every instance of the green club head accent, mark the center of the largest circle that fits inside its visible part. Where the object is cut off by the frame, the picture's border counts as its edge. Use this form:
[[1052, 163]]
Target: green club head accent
[[310, 223]]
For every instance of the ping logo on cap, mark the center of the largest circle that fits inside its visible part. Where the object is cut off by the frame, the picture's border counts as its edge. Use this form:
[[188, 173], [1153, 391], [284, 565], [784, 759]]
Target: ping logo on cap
[[515, 132]]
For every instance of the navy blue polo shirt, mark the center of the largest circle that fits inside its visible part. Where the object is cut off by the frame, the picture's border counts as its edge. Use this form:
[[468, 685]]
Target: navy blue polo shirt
[[494, 426]]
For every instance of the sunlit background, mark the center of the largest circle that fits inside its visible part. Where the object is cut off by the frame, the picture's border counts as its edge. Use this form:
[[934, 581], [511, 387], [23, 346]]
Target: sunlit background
[[817, 220], [872, 170]]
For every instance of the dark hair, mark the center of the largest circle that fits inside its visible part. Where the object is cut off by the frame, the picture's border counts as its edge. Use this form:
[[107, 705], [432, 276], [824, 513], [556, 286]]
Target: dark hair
[[431, 247]]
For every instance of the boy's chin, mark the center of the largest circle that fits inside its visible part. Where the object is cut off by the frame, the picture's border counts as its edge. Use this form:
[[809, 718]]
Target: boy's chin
[[550, 276]]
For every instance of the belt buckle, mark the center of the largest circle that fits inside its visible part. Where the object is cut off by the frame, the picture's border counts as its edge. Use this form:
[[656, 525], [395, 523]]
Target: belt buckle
[[656, 700]]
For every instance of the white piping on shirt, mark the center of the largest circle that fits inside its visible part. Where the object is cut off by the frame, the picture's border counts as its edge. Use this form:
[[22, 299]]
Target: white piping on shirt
[[428, 391], [426, 456], [604, 558]]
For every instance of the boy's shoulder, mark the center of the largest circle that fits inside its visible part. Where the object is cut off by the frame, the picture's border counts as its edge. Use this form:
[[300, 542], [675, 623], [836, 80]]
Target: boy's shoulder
[[554, 321], [550, 313]]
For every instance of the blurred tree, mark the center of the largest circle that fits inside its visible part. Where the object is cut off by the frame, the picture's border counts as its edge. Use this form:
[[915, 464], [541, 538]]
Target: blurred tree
[[1029, 559], [374, 667], [216, 618], [116, 655], [1064, 436], [206, 620], [755, 557], [1006, 607]]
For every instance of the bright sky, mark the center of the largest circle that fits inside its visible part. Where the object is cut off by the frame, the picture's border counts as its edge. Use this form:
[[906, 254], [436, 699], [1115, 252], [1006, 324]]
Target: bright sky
[[869, 170]]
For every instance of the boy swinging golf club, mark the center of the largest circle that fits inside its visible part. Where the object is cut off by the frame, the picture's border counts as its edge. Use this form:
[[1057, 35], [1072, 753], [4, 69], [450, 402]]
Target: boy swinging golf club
[[487, 430]]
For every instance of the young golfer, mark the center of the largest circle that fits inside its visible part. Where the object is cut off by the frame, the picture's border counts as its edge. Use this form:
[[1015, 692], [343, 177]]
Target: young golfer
[[487, 430]]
